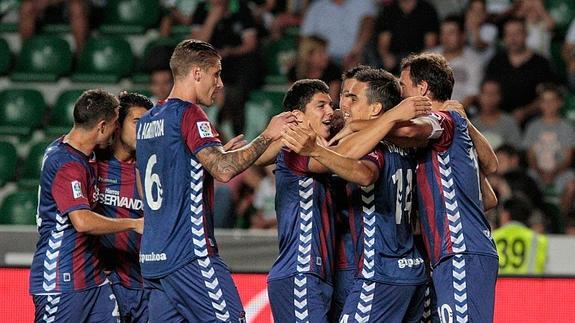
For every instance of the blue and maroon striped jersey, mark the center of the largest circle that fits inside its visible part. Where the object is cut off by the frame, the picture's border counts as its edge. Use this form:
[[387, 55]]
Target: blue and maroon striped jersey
[[65, 260], [304, 211], [178, 191], [449, 194], [345, 218], [119, 198], [384, 248]]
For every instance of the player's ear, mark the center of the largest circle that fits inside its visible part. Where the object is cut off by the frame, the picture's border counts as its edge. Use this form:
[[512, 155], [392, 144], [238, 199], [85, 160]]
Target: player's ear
[[101, 125], [375, 109], [299, 115], [423, 88], [196, 73]]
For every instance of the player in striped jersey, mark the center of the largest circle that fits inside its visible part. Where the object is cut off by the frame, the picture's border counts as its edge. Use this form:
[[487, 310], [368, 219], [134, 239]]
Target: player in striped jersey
[[66, 279], [119, 198]]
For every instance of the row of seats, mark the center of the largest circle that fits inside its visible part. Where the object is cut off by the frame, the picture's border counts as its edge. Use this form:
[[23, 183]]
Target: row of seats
[[28, 171], [19, 208]]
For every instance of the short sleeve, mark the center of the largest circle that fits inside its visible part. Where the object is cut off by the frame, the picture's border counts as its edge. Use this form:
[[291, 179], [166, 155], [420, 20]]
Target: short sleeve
[[447, 125], [70, 188], [197, 130], [295, 162]]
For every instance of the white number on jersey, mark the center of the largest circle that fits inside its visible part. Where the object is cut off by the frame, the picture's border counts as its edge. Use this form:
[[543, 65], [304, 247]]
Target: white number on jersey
[[404, 199], [151, 179]]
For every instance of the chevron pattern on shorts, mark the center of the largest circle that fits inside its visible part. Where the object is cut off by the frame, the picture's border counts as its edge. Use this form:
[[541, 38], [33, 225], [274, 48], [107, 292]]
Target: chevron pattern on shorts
[[51, 308], [426, 317], [459, 289], [300, 298], [365, 302], [213, 288], [53, 251]]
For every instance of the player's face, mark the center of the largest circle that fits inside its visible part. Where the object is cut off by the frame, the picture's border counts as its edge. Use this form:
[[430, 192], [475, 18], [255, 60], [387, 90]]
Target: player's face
[[408, 88], [345, 99], [105, 131], [128, 128], [359, 107], [209, 85], [318, 112]]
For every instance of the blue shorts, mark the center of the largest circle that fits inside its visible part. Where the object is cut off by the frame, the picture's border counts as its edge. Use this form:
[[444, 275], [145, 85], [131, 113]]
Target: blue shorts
[[202, 291], [429, 305], [92, 305], [132, 303], [465, 288], [371, 301], [300, 298], [342, 285]]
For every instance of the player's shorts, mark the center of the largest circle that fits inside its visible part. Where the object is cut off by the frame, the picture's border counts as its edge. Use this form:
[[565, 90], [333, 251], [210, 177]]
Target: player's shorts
[[465, 288], [132, 303], [300, 298], [342, 285], [202, 291], [371, 301], [429, 304], [92, 305]]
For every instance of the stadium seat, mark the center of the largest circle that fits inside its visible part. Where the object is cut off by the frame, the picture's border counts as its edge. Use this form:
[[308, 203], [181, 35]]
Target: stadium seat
[[19, 207], [62, 115], [21, 111], [562, 12], [261, 106], [158, 47], [104, 60], [568, 109], [130, 16], [5, 57], [8, 162], [30, 172], [43, 58]]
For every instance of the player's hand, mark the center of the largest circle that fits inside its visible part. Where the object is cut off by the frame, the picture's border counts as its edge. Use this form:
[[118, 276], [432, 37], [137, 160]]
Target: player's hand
[[236, 142], [300, 139], [139, 228], [410, 108], [454, 105], [278, 124], [346, 131]]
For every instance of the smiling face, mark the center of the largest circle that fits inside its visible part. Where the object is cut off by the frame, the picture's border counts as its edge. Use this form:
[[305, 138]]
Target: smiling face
[[318, 112], [359, 105], [209, 83], [345, 99]]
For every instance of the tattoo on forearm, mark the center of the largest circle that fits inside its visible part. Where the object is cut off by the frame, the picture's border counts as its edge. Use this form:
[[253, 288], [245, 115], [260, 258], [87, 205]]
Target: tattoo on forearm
[[221, 163]]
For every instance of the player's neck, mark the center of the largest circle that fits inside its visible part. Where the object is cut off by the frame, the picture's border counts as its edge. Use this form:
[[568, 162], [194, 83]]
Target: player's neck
[[436, 105], [122, 152], [184, 92], [81, 140]]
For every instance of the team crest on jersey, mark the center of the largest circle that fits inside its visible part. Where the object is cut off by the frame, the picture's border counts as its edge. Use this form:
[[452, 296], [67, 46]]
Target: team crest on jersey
[[205, 129], [77, 190]]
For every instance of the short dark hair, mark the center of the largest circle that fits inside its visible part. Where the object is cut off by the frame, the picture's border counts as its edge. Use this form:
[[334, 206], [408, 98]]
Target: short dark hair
[[551, 87], [93, 106], [129, 100], [519, 209], [351, 72], [191, 52], [382, 87], [301, 93], [433, 69], [457, 20]]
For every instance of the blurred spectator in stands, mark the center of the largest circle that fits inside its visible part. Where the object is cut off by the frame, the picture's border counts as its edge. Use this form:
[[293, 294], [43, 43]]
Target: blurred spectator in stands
[[229, 26], [539, 25], [570, 223], [157, 65], [313, 63], [465, 62], [38, 12], [497, 126], [177, 12], [549, 141], [445, 8], [512, 178], [282, 14], [568, 54], [519, 70], [404, 27], [347, 25], [264, 202], [500, 10], [481, 34], [568, 199], [521, 250]]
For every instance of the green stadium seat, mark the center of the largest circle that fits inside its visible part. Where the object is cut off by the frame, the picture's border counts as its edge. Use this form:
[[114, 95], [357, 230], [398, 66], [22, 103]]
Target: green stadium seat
[[30, 172], [43, 58], [62, 115], [142, 75], [568, 109], [8, 162], [21, 111], [104, 60], [261, 106], [19, 207], [130, 16], [279, 56], [5, 57]]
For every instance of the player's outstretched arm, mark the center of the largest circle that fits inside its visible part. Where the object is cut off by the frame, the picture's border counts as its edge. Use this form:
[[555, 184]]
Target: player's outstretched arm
[[89, 222], [302, 140], [489, 198], [487, 158], [224, 165], [270, 154]]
